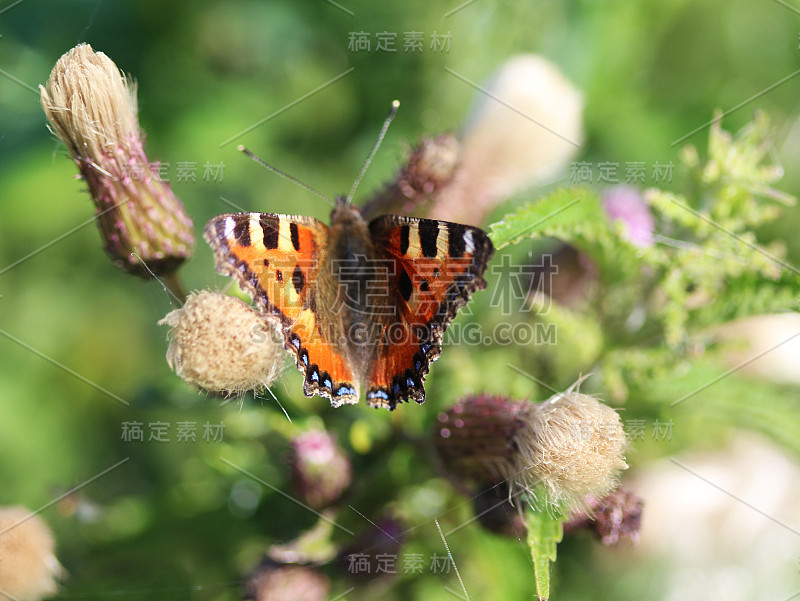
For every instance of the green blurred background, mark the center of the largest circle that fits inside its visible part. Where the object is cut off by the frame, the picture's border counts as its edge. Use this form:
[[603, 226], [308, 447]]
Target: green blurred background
[[174, 522]]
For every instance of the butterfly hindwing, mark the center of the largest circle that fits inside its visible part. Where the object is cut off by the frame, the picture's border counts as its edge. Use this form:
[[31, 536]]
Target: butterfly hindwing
[[276, 259], [436, 266]]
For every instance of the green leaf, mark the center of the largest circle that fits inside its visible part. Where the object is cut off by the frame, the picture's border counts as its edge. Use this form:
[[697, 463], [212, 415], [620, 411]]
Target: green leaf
[[710, 392], [545, 531], [566, 213]]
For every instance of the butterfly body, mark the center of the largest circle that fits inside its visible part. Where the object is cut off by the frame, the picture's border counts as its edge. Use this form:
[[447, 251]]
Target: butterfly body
[[358, 302]]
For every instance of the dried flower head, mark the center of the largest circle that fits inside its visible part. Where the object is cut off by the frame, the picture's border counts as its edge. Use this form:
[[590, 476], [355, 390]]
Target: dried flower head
[[320, 468], [626, 204], [220, 344], [28, 566], [569, 446], [91, 107], [275, 582]]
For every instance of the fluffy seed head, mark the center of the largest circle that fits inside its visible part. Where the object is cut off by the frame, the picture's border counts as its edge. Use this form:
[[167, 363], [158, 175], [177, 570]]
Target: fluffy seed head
[[220, 344], [91, 107], [574, 448], [28, 566]]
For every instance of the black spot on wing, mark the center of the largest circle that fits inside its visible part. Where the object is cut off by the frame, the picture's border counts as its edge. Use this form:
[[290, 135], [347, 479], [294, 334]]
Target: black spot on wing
[[295, 235], [326, 381], [404, 235], [298, 279], [270, 224], [279, 275], [404, 285], [241, 229], [428, 234], [455, 240]]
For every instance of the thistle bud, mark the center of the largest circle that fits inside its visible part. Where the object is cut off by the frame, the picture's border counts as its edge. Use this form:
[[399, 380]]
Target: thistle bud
[[91, 107], [615, 516], [220, 344], [627, 205], [476, 437], [431, 167], [570, 446], [321, 471], [28, 566], [276, 582]]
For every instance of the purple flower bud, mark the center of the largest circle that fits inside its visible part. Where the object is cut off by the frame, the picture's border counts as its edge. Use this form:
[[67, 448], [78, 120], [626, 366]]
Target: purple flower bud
[[615, 516], [626, 204], [320, 469], [475, 437]]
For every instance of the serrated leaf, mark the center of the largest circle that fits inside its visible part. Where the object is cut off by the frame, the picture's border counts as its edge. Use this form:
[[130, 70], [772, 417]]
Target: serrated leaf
[[566, 213], [545, 531]]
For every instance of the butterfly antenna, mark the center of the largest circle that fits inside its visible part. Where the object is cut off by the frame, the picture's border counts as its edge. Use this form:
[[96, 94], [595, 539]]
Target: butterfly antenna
[[381, 135], [294, 180]]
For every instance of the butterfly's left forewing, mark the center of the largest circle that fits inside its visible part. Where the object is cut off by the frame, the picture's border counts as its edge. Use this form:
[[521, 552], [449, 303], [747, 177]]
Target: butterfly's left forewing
[[436, 266], [276, 259]]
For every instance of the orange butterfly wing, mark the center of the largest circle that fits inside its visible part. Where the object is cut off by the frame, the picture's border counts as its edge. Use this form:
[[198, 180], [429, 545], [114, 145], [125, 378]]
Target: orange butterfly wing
[[437, 266], [276, 259]]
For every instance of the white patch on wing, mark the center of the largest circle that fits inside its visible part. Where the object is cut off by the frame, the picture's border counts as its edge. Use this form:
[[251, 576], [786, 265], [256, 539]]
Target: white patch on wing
[[256, 232], [469, 242], [229, 225]]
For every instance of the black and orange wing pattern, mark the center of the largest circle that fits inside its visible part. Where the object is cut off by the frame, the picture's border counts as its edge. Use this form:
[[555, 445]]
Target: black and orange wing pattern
[[276, 259], [437, 267]]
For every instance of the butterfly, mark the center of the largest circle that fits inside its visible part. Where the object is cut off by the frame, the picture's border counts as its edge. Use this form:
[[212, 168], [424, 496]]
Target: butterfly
[[357, 301]]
